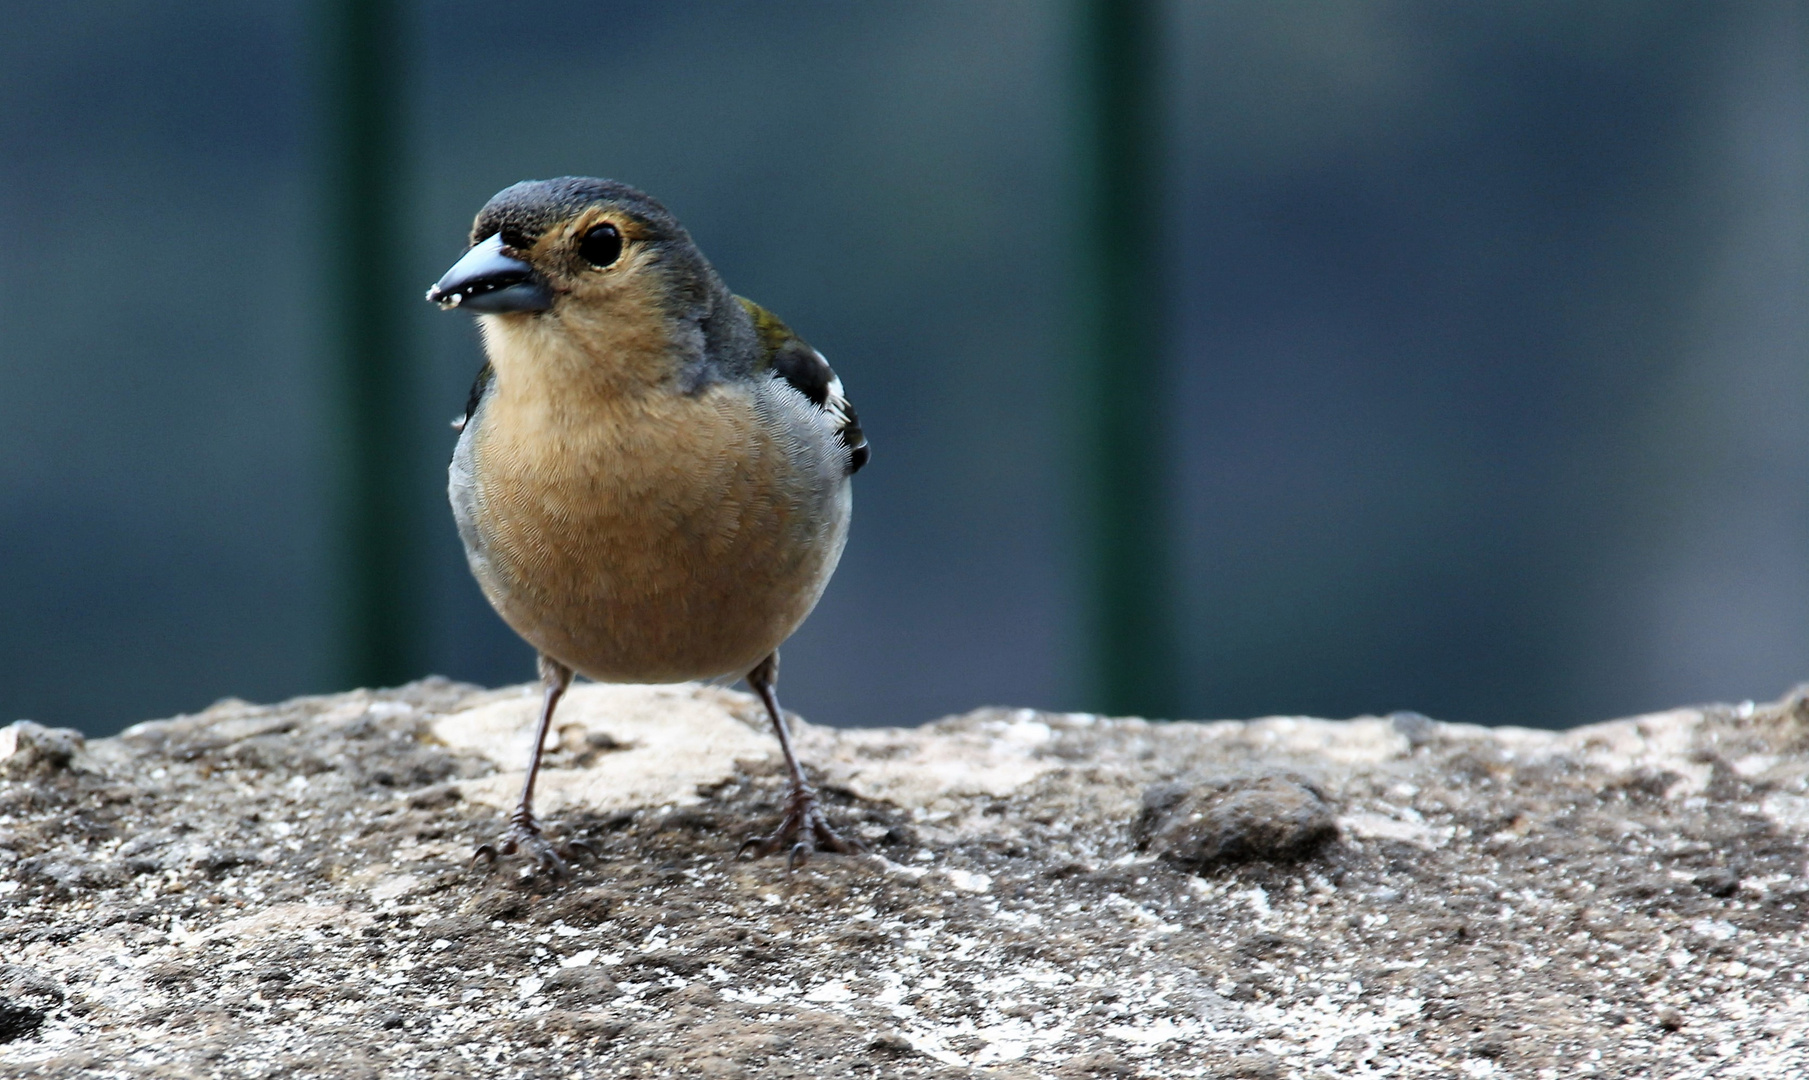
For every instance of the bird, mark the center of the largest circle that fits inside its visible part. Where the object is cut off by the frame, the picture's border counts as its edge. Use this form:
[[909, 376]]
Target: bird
[[652, 476]]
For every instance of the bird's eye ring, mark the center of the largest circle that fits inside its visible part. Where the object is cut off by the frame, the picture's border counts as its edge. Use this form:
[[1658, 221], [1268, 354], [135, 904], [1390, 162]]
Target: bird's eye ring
[[601, 246]]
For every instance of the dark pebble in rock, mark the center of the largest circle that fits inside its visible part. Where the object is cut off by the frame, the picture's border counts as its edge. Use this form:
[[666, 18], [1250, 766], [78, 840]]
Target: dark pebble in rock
[[891, 1044], [435, 798], [26, 998], [1221, 820], [1717, 883], [18, 1021], [581, 986]]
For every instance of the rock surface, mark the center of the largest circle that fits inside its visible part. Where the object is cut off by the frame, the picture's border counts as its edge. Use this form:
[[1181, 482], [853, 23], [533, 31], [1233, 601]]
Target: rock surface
[[286, 889]]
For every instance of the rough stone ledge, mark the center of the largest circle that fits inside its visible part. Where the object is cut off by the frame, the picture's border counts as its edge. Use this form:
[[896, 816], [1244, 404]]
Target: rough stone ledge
[[286, 889]]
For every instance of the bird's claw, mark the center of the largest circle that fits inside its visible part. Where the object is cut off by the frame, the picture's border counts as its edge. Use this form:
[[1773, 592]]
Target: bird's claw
[[802, 832], [524, 835]]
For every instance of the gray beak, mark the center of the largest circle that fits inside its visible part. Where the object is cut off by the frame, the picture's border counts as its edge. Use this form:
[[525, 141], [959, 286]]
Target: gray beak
[[487, 282]]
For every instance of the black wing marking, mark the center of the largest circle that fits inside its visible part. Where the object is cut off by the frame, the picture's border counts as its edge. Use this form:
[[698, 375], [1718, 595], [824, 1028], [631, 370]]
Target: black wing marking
[[804, 368], [478, 388]]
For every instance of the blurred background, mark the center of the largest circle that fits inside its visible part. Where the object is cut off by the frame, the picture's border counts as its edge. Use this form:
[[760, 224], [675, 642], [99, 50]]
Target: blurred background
[[1474, 382]]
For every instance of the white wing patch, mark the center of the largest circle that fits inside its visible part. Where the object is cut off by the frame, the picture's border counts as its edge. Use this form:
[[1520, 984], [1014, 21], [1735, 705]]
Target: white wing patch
[[835, 403]]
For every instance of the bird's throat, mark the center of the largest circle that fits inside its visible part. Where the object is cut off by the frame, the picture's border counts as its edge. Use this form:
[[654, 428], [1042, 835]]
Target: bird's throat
[[575, 360]]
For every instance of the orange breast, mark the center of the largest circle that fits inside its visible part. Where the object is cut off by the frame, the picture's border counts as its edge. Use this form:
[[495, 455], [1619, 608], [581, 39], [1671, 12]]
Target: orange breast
[[649, 538]]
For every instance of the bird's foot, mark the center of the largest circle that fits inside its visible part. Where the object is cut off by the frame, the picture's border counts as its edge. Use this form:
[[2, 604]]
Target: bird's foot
[[524, 835], [801, 832]]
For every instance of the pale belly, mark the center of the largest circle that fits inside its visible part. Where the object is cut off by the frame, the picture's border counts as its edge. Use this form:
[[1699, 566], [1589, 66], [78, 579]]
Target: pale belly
[[634, 557]]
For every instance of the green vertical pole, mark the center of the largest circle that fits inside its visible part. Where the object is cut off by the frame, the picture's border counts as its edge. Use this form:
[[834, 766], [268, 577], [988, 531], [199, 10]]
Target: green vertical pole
[[1122, 383], [364, 243]]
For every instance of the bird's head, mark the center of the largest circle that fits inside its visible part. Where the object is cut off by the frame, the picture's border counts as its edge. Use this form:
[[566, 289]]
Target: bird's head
[[603, 261]]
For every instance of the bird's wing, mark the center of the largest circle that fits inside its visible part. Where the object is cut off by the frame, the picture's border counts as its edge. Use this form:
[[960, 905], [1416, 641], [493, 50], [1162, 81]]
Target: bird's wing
[[478, 387], [788, 356]]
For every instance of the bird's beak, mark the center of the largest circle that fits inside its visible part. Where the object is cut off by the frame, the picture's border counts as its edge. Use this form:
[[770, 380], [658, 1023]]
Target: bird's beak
[[488, 282]]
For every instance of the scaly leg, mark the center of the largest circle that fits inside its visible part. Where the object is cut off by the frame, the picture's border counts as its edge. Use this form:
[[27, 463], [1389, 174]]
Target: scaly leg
[[803, 829], [523, 833]]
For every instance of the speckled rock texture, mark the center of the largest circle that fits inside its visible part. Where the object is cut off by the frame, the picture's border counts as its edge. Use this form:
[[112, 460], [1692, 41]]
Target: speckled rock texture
[[287, 890]]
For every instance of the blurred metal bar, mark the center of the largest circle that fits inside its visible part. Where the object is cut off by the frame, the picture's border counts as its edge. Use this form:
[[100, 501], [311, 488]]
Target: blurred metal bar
[[363, 244], [1123, 374]]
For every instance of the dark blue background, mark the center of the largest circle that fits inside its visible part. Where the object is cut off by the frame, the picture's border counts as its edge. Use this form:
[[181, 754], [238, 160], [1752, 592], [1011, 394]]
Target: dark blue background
[[1488, 330]]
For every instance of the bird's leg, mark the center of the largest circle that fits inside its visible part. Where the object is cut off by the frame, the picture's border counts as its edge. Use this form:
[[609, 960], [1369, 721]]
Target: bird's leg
[[803, 829], [523, 833]]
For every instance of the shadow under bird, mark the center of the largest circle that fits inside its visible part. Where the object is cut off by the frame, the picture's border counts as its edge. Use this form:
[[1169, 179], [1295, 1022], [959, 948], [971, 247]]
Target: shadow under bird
[[652, 476]]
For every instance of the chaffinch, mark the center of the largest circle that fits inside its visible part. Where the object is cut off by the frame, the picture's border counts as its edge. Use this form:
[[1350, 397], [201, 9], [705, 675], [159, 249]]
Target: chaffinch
[[652, 474]]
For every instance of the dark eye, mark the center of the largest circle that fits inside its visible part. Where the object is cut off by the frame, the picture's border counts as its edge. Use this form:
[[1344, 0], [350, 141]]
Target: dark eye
[[601, 246]]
